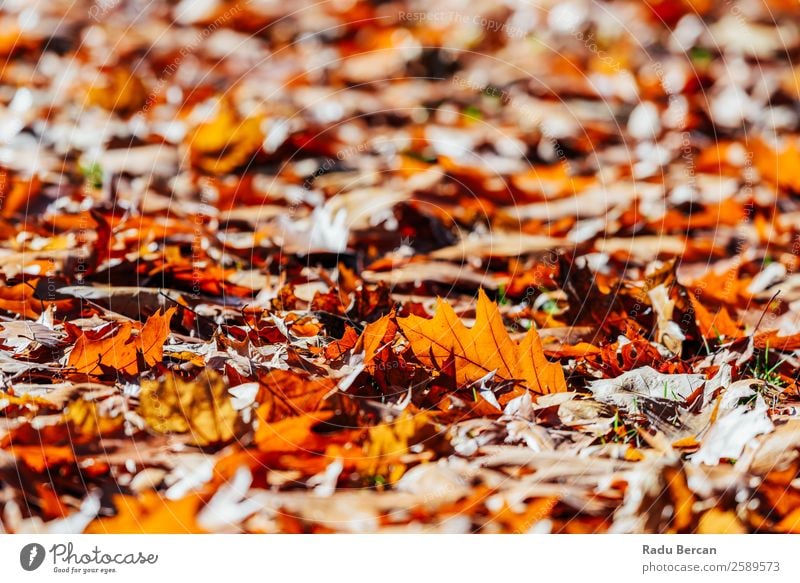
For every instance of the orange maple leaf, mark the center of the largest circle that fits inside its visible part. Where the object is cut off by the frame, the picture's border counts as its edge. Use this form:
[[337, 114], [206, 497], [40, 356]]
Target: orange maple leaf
[[482, 349], [121, 349]]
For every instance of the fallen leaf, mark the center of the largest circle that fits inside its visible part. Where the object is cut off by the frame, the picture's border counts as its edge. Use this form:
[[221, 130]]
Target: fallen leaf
[[118, 90], [388, 442], [482, 349], [648, 382], [291, 434], [715, 325], [286, 393], [200, 407], [121, 349], [226, 141], [377, 335], [41, 457], [87, 418], [150, 513], [734, 428]]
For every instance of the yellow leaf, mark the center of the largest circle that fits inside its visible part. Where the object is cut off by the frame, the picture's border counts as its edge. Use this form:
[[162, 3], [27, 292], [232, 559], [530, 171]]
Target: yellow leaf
[[201, 407], [484, 348], [87, 419], [634, 455], [225, 142], [387, 442]]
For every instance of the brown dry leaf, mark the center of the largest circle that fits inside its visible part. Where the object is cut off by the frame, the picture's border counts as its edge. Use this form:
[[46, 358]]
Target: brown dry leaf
[[288, 209], [482, 349], [150, 514], [121, 349], [200, 407]]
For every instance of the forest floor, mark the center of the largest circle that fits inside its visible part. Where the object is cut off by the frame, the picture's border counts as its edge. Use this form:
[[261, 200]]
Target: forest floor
[[399, 266]]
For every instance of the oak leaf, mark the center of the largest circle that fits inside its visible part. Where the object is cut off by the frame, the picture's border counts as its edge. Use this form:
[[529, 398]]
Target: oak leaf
[[482, 349], [121, 349]]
